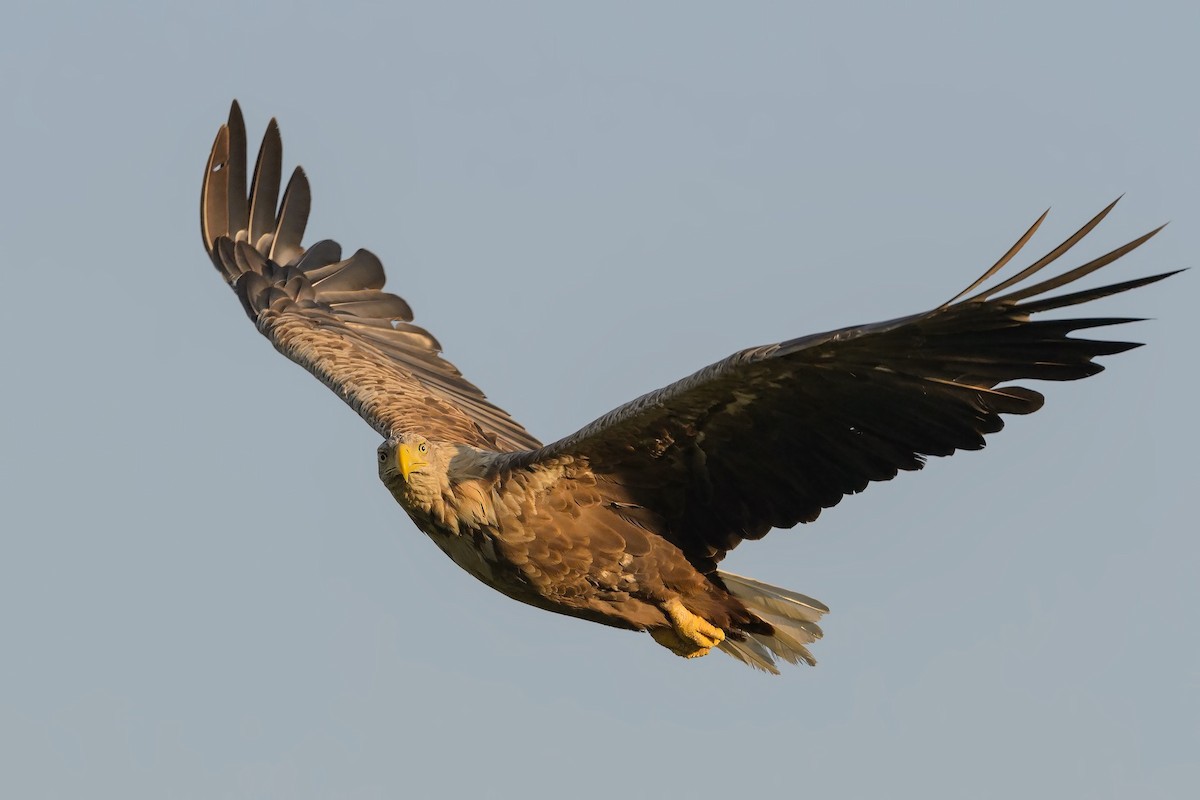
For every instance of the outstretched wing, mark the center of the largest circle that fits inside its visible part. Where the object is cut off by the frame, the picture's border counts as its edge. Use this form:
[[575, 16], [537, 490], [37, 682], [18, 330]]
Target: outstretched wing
[[772, 435], [330, 315]]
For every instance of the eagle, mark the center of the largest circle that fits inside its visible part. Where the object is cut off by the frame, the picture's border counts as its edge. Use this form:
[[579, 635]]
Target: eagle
[[625, 521]]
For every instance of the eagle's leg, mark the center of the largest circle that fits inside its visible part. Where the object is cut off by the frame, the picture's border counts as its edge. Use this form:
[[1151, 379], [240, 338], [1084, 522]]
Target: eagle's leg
[[689, 636]]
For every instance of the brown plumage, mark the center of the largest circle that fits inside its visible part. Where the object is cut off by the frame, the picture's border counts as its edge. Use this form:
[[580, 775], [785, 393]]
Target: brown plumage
[[625, 521]]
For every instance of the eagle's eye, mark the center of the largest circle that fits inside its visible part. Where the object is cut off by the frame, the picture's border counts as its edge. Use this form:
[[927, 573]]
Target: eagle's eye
[[421, 448], [382, 457]]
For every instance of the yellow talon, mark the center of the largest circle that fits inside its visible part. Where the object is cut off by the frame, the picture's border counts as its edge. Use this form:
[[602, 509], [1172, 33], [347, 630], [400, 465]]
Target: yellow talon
[[671, 640], [689, 636]]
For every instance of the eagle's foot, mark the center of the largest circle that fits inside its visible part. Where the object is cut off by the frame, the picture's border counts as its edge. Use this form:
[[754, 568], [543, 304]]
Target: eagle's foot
[[689, 636], [671, 640]]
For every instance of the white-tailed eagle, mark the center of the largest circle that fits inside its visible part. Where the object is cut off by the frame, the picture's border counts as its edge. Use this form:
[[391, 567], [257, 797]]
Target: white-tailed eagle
[[624, 522]]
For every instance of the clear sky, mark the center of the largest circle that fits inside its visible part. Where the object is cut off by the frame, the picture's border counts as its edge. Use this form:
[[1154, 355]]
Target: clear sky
[[206, 593]]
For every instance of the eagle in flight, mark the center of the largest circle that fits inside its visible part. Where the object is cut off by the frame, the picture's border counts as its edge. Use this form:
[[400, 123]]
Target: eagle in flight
[[625, 521]]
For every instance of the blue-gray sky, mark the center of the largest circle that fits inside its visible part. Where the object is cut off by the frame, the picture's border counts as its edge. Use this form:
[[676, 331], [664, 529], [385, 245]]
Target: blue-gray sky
[[205, 592]]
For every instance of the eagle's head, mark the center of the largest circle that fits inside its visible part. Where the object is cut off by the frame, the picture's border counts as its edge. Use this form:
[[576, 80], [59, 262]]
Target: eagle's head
[[414, 468], [421, 473]]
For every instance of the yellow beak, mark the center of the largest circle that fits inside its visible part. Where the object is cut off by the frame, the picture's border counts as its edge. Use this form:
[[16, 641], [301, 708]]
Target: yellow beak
[[409, 461]]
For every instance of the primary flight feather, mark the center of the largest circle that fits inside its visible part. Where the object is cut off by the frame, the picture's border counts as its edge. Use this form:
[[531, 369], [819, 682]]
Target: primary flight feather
[[625, 521]]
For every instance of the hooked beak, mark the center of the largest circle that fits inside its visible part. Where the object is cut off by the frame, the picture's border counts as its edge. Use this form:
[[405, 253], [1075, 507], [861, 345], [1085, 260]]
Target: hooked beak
[[409, 461]]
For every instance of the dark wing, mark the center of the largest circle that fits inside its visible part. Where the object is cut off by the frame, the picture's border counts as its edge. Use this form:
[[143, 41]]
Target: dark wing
[[772, 435], [329, 314]]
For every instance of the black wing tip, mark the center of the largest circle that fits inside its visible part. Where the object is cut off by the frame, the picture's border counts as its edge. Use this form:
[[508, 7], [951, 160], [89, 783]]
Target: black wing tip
[[271, 136], [1104, 211], [236, 122], [1019, 279], [1156, 230], [1160, 276], [298, 188], [1039, 305]]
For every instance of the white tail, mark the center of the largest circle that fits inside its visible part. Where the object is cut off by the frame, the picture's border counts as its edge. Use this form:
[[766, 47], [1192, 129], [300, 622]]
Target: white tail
[[793, 615]]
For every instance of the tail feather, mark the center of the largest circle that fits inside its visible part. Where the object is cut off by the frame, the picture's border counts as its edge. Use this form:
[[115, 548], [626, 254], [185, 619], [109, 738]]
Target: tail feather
[[792, 615], [751, 652]]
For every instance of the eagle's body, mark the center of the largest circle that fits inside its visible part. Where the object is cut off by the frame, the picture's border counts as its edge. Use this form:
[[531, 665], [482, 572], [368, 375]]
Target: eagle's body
[[624, 522], [555, 535]]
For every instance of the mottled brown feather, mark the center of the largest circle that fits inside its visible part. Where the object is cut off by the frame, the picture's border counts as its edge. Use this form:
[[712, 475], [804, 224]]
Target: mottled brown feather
[[331, 315]]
